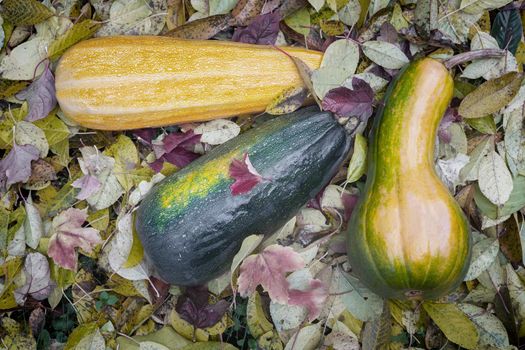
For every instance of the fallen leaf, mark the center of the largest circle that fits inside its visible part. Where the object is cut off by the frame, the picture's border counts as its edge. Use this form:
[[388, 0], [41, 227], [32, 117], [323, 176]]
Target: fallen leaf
[[350, 103], [193, 307], [40, 96], [268, 269], [313, 298], [25, 12], [494, 178], [69, 234], [262, 30], [385, 54], [16, 166], [458, 328], [36, 279], [491, 96], [244, 174], [216, 132]]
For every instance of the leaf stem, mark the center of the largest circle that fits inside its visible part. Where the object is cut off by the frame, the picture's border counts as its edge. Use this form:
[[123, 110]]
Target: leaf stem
[[473, 55]]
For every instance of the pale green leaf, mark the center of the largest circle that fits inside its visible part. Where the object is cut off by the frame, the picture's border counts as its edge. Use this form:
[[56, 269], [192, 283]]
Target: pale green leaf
[[221, 7], [478, 6], [54, 129], [376, 332], [23, 60], [516, 200], [149, 345], [342, 53], [135, 17], [307, 338], [126, 158], [491, 96], [494, 178], [357, 166], [299, 21], [327, 78], [317, 4], [33, 226], [471, 170], [490, 329], [385, 54], [29, 134], [456, 326], [515, 141], [359, 301], [349, 14], [484, 253]]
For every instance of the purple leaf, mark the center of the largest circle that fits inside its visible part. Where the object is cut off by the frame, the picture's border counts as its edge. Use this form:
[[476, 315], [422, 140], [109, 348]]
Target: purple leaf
[[262, 30], [451, 116], [194, 308], [16, 166], [38, 282], [180, 157], [349, 203], [175, 140], [350, 103], [146, 135], [40, 96], [388, 33], [68, 234], [88, 185], [244, 174], [175, 148]]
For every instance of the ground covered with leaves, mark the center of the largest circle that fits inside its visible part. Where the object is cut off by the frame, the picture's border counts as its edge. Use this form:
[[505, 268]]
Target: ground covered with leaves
[[73, 273]]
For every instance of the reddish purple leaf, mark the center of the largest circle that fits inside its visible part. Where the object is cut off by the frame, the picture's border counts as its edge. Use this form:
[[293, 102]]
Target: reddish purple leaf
[[244, 174], [40, 96], [349, 203], [16, 166], [176, 139], [88, 185], [347, 103], [69, 234], [193, 307], [313, 299], [146, 135], [262, 30], [451, 116], [175, 148], [269, 269], [180, 157]]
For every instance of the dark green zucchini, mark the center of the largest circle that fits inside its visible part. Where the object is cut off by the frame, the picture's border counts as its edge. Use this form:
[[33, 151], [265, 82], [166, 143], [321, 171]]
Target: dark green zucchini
[[191, 225]]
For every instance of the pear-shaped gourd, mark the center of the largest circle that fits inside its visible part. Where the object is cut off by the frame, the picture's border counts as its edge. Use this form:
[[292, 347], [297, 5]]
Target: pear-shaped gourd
[[407, 237]]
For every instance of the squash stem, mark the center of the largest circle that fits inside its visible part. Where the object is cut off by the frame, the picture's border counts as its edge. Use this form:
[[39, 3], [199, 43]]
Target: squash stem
[[473, 55]]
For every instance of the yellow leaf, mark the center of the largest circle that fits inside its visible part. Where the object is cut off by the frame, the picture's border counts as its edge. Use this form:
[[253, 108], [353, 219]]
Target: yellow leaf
[[256, 319], [456, 326], [187, 330], [137, 251], [75, 34]]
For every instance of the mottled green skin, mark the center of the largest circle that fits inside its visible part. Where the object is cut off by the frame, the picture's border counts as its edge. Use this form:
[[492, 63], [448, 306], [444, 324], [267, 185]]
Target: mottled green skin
[[191, 225], [407, 237]]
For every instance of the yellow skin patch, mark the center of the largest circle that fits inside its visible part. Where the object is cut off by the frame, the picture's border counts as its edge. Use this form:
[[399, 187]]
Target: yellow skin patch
[[197, 183]]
